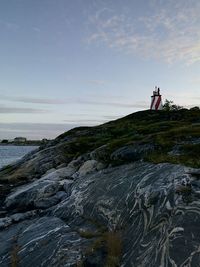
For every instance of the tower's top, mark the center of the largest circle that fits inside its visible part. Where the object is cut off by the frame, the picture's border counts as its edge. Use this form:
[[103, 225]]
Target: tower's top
[[156, 92]]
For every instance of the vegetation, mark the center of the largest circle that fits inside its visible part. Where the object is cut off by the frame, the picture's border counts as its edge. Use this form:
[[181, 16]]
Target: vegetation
[[88, 234], [14, 253], [169, 105], [111, 243], [165, 129], [114, 249]]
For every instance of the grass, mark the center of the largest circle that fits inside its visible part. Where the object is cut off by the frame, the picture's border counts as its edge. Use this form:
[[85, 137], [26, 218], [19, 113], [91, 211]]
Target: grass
[[164, 129], [14, 256], [108, 241], [160, 128], [114, 248], [189, 156], [14, 253], [88, 234], [111, 242]]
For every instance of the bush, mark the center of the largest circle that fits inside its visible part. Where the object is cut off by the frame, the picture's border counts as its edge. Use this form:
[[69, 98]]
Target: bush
[[169, 105], [195, 108]]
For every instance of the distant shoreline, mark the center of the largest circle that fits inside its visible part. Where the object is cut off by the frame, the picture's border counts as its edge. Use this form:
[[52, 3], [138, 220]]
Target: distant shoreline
[[15, 144]]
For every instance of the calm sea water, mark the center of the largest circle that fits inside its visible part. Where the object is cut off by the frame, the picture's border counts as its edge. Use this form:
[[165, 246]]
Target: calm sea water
[[10, 154]]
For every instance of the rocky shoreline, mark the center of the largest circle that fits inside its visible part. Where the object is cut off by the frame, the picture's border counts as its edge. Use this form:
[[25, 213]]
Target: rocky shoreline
[[67, 209]]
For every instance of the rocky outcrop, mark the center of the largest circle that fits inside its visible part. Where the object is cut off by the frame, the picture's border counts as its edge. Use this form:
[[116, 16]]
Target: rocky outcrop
[[155, 208], [88, 198], [47, 241]]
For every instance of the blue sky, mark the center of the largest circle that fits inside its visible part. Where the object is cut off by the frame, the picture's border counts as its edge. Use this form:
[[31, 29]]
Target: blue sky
[[84, 62]]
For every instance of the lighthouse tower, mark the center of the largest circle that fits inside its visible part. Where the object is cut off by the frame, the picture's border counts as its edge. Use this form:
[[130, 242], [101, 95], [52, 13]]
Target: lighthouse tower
[[156, 100]]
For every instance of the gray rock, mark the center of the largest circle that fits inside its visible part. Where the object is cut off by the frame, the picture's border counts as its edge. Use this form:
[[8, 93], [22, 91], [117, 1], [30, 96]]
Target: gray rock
[[63, 165], [140, 200], [67, 184], [88, 167], [22, 216], [36, 194], [50, 171], [100, 166], [41, 242], [61, 195], [73, 166], [44, 203], [59, 174], [132, 152], [100, 154], [4, 222], [26, 196]]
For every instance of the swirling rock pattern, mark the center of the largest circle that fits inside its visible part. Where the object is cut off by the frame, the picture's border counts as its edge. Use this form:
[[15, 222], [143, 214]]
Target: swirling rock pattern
[[155, 207], [158, 226]]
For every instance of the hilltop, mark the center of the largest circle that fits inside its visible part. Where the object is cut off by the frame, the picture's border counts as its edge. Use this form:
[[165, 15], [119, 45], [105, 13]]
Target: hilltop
[[122, 193], [174, 136]]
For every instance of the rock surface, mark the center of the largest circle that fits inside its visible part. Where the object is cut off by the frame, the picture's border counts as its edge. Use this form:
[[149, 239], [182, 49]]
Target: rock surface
[[139, 200], [71, 204]]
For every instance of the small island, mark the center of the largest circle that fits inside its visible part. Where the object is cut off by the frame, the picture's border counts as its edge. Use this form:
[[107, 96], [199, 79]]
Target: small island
[[23, 141]]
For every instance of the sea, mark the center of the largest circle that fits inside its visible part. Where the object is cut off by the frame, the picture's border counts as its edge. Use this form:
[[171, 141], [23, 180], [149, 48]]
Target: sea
[[11, 153]]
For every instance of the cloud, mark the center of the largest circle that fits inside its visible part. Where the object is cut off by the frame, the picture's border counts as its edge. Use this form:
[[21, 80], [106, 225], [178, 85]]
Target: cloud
[[195, 81], [169, 31], [86, 121], [34, 100], [36, 29], [15, 110], [97, 82], [12, 26], [82, 101]]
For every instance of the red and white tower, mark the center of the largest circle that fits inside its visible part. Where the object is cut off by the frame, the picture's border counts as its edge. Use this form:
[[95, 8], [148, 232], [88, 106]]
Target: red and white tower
[[156, 100]]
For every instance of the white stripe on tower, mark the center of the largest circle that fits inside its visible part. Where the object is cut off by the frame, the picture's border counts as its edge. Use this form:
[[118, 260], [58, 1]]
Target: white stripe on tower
[[156, 103]]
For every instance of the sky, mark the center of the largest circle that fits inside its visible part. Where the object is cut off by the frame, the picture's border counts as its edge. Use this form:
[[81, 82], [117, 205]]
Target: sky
[[68, 63]]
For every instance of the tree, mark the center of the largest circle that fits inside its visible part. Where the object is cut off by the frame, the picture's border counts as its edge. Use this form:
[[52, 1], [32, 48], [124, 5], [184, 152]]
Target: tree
[[169, 105], [195, 108], [4, 141]]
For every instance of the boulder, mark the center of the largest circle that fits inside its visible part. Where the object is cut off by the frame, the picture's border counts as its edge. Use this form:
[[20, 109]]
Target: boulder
[[58, 174], [45, 203], [27, 196], [132, 152], [73, 166], [100, 154], [88, 167]]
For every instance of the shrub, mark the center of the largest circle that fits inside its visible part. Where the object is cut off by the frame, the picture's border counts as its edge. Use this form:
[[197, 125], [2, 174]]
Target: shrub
[[169, 105]]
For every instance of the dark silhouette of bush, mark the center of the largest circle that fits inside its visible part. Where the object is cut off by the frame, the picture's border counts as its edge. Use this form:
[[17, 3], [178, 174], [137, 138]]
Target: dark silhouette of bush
[[169, 105]]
